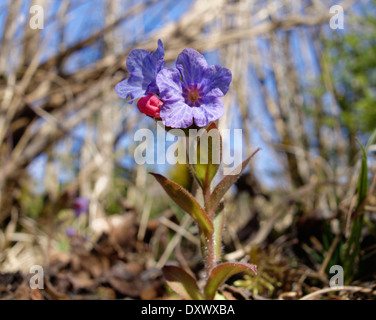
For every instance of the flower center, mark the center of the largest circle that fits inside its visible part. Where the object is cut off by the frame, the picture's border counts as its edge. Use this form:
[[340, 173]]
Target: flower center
[[192, 95]]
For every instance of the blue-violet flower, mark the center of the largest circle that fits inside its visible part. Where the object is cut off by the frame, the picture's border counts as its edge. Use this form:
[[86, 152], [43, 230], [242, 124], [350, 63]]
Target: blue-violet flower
[[191, 93], [143, 67]]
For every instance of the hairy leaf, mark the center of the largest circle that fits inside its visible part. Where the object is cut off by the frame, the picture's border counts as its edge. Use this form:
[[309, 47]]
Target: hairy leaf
[[219, 223], [186, 202], [182, 283], [226, 183], [221, 273]]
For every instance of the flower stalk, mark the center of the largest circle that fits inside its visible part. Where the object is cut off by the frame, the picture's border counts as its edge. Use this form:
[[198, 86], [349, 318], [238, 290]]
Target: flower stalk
[[210, 261]]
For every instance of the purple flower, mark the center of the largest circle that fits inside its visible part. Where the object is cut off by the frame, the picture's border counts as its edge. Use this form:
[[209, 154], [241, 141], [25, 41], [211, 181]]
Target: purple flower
[[143, 67], [70, 232], [81, 206], [191, 93]]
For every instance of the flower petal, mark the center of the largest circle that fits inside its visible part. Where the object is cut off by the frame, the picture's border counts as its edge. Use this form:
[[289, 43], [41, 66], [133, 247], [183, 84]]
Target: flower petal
[[192, 65], [131, 88], [139, 66], [170, 85], [176, 115], [200, 117], [213, 108], [217, 81], [158, 54], [142, 67]]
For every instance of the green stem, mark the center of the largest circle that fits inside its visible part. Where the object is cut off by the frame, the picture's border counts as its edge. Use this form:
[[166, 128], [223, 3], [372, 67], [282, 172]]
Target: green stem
[[210, 261], [209, 255], [190, 166]]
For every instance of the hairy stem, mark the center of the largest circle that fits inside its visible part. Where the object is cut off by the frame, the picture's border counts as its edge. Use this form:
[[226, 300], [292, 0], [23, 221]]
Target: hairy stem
[[209, 255], [210, 261]]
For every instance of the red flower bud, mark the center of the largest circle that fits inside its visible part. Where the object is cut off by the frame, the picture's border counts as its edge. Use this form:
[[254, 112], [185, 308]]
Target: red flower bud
[[150, 105]]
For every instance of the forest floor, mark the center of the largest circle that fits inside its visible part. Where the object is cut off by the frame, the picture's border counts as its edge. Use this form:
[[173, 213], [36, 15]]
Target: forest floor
[[118, 266]]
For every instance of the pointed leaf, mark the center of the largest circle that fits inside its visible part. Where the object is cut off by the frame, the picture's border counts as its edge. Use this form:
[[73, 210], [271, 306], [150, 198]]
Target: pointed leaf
[[221, 273], [219, 223], [225, 184], [352, 250], [194, 174], [209, 154], [363, 178], [182, 283], [371, 140], [186, 202]]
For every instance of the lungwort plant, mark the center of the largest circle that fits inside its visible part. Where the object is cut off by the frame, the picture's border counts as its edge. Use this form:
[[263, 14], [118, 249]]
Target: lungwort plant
[[188, 97]]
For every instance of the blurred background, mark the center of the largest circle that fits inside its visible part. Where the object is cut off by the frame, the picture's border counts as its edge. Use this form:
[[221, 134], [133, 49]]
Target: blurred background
[[303, 89]]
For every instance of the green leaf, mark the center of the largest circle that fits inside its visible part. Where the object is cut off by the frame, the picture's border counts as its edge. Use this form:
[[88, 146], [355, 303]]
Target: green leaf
[[186, 202], [209, 146], [352, 250], [371, 140], [182, 283], [221, 273], [225, 184], [194, 174], [219, 223], [363, 178]]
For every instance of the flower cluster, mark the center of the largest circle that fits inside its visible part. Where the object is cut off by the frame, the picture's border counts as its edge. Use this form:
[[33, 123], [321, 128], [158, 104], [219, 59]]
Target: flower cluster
[[183, 96], [186, 96]]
